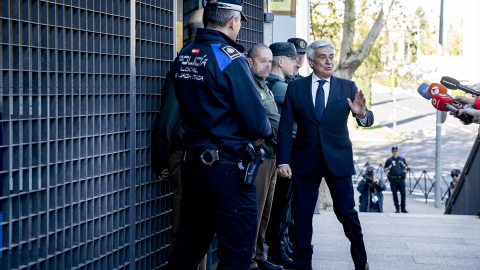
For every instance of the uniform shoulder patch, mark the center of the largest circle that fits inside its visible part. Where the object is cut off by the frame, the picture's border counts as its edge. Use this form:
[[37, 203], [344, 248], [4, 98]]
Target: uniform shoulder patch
[[231, 52]]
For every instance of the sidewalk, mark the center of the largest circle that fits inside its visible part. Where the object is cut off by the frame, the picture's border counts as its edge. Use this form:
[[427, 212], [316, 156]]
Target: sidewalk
[[422, 239]]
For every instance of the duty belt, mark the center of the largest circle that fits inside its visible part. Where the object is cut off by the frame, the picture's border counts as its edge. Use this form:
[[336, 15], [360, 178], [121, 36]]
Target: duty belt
[[206, 155], [395, 176]]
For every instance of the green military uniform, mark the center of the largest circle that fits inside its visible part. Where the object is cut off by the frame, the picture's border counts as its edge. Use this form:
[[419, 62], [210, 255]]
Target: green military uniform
[[268, 100], [279, 86], [267, 173]]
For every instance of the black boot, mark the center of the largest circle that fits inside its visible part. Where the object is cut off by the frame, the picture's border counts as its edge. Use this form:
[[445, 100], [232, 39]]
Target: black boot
[[266, 265], [281, 259]]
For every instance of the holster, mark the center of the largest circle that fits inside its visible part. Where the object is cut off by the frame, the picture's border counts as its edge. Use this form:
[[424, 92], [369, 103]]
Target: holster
[[253, 158]]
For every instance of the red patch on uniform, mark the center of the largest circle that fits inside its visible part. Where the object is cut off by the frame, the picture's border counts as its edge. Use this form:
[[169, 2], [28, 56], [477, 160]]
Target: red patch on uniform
[[195, 51]]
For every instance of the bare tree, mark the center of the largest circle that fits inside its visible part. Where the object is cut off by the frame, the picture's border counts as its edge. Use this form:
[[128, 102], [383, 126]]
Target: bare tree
[[350, 60]]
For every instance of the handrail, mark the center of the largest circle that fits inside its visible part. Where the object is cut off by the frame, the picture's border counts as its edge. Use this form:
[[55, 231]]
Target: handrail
[[474, 153]]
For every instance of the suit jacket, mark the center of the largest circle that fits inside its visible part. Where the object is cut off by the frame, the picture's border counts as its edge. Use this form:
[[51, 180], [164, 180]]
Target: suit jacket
[[329, 134]]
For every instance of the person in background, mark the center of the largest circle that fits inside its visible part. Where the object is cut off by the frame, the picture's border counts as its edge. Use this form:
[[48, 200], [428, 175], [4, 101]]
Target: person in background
[[396, 167], [259, 58], [455, 174], [370, 188], [276, 236], [301, 47]]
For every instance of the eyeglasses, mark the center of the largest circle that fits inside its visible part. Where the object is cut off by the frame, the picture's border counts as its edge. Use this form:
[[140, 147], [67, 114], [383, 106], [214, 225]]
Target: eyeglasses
[[454, 175]]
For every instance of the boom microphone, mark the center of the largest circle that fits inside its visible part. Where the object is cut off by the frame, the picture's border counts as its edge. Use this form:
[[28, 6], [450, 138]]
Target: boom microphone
[[451, 83], [443, 103]]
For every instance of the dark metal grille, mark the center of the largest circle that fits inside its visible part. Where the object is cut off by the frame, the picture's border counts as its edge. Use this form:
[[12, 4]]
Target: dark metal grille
[[154, 54], [251, 32], [77, 188]]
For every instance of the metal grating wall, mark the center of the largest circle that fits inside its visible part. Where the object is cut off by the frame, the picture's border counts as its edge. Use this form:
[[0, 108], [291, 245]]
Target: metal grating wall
[[154, 54], [251, 32], [78, 81]]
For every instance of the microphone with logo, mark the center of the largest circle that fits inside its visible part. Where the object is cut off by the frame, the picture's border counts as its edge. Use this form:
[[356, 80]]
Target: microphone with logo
[[428, 90], [453, 84], [443, 103], [436, 88]]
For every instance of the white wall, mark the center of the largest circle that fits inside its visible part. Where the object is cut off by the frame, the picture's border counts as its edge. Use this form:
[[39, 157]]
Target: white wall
[[285, 27]]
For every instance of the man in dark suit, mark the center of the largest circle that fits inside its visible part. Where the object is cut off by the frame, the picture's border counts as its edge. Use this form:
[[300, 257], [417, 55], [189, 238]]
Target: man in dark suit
[[321, 104]]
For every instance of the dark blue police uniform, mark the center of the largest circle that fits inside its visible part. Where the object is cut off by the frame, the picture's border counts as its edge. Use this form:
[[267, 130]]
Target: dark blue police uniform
[[221, 110], [396, 176]]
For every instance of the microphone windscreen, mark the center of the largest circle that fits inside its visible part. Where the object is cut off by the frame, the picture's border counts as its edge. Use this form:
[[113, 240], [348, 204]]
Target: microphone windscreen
[[423, 91], [439, 101], [449, 82], [436, 88]]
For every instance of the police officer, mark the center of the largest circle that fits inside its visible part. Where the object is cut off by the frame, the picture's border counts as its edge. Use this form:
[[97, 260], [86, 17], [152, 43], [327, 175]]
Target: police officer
[[455, 174], [213, 84], [397, 166], [283, 65], [301, 47]]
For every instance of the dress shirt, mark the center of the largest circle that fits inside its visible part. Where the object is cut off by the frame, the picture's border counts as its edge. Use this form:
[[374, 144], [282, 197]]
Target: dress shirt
[[326, 89]]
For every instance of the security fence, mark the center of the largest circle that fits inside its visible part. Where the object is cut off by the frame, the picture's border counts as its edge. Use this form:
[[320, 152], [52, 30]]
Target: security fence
[[417, 182]]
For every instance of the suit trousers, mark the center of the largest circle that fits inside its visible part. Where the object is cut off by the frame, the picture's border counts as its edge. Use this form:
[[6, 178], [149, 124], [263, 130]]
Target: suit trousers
[[265, 182], [215, 200], [398, 185], [305, 194]]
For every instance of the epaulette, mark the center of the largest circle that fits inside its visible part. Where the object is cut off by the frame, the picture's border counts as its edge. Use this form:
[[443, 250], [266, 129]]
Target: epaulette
[[231, 52]]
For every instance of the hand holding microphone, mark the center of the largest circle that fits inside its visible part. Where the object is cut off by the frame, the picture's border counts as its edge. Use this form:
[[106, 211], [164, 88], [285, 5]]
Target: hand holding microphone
[[444, 103], [471, 112]]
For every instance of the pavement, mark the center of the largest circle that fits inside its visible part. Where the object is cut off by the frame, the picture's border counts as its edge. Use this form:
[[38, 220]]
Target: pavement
[[424, 238]]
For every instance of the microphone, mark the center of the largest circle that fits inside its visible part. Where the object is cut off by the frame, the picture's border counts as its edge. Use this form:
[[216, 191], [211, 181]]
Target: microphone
[[451, 83], [444, 103], [423, 91], [436, 88]]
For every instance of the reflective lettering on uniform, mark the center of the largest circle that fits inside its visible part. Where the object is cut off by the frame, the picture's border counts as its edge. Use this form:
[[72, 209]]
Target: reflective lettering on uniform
[[187, 60], [189, 69], [263, 96], [189, 76]]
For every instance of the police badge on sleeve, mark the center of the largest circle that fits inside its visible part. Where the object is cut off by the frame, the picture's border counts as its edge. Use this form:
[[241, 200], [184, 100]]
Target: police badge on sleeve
[[231, 52]]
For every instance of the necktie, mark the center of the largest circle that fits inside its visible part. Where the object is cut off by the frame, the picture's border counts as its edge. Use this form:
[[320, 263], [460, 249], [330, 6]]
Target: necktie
[[320, 99]]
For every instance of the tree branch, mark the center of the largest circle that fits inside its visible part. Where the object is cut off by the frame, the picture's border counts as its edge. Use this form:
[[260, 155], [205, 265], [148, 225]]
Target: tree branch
[[349, 61], [348, 28]]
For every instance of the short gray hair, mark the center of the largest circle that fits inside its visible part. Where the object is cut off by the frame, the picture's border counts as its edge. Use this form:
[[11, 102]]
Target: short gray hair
[[318, 44], [277, 58]]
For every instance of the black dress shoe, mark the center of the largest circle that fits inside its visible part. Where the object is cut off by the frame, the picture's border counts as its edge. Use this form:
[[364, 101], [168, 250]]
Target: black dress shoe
[[397, 211], [266, 265], [281, 259], [404, 211]]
